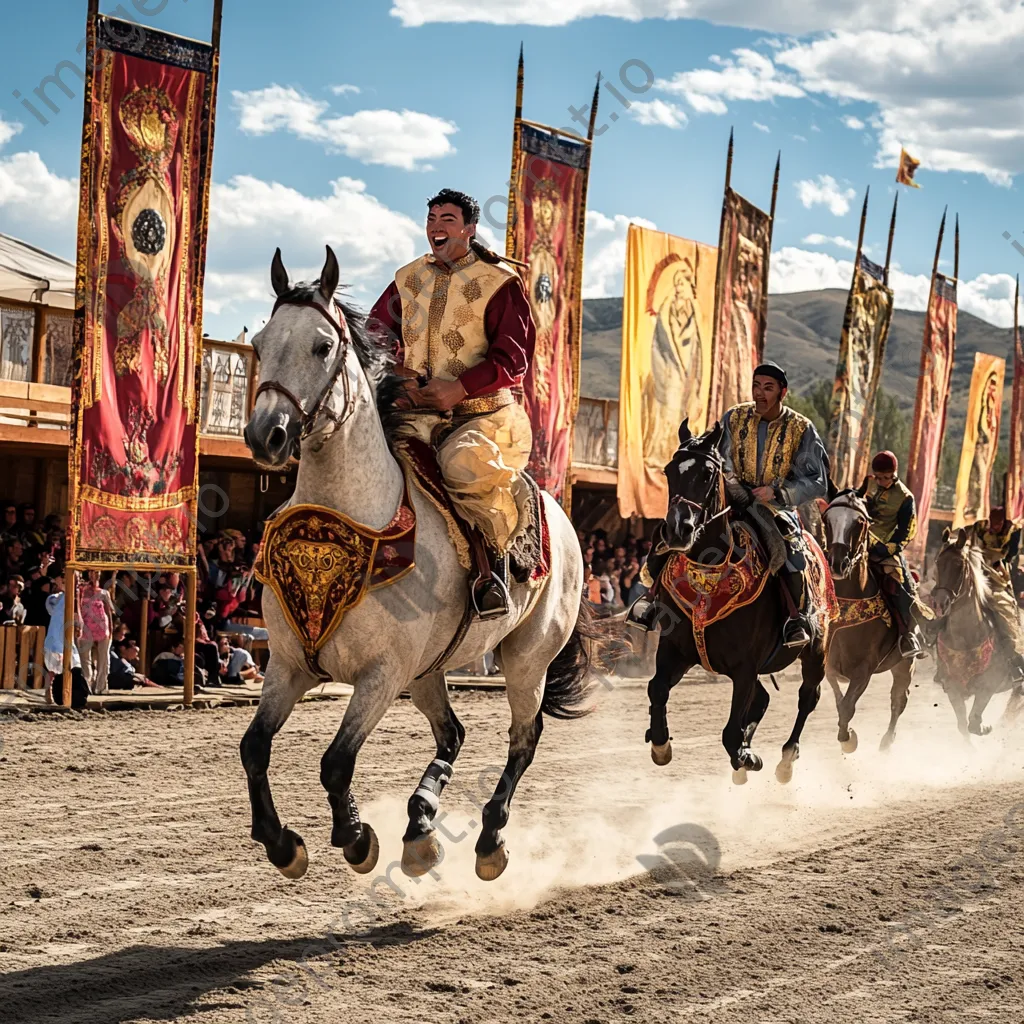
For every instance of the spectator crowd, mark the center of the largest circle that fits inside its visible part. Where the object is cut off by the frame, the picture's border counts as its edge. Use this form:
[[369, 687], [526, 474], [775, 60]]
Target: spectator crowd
[[111, 613], [612, 571]]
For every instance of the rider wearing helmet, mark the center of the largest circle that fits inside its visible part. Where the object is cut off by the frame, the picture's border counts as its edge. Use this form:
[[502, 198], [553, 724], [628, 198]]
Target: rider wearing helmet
[[463, 335]]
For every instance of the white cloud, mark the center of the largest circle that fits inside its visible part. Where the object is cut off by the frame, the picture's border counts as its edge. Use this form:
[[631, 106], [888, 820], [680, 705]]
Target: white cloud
[[250, 217], [837, 240], [604, 254], [394, 138], [658, 112], [8, 129], [989, 296], [825, 191], [750, 76], [853, 122], [31, 193], [762, 127], [343, 90]]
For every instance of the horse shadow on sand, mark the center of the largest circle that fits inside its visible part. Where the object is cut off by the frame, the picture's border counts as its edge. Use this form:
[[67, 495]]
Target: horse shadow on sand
[[165, 983]]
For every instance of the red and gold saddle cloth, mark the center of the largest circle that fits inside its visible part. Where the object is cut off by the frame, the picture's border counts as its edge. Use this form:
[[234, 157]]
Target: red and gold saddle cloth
[[961, 666], [855, 611], [319, 564], [706, 594]]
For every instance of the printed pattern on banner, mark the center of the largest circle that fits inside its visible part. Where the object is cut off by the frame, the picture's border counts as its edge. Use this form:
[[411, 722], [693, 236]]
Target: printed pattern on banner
[[141, 251], [740, 309], [858, 372], [929, 423], [667, 321], [981, 440], [550, 175], [1015, 469]]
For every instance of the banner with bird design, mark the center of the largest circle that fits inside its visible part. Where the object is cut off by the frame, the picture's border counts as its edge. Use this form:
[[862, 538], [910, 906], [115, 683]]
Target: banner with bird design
[[981, 440], [145, 180], [667, 317]]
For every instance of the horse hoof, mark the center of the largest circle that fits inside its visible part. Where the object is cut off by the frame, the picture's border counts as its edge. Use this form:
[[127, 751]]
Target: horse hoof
[[421, 854], [739, 776], [661, 754], [886, 745], [299, 863], [784, 769], [489, 866], [849, 745], [753, 762], [363, 853], [979, 730]]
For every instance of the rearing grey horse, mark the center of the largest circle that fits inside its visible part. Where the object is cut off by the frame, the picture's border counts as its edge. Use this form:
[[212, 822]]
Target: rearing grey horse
[[319, 377]]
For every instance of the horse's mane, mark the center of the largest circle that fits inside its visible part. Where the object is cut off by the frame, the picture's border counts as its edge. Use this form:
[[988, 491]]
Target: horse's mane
[[975, 561]]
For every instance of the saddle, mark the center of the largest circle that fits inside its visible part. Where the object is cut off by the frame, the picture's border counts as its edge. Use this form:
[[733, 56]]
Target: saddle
[[529, 558], [707, 594]]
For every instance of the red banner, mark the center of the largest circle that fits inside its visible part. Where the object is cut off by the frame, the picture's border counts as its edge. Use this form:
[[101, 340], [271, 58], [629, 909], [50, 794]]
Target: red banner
[[141, 252], [741, 309], [549, 176], [1015, 470], [929, 424]]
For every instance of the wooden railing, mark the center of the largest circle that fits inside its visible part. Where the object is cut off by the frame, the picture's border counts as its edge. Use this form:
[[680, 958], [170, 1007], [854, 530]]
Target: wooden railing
[[21, 657]]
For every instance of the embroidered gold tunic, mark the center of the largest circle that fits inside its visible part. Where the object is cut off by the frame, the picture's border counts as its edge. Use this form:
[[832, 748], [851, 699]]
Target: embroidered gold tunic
[[443, 307], [998, 546], [893, 516]]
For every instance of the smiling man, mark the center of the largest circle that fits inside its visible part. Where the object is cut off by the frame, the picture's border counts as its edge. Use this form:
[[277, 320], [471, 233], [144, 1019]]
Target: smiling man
[[461, 330]]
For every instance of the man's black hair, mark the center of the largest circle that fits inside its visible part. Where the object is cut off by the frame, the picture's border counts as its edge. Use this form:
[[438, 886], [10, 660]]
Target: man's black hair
[[467, 204]]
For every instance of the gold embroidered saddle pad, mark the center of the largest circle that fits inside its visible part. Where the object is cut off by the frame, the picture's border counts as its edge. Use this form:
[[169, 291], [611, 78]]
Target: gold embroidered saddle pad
[[319, 564], [855, 611]]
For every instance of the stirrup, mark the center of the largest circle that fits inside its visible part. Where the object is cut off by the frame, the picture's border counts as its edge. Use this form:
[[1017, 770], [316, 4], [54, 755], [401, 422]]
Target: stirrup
[[792, 626], [641, 613], [499, 585], [910, 646]]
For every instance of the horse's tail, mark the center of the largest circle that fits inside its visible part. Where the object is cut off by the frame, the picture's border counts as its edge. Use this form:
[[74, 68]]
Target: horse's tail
[[567, 689]]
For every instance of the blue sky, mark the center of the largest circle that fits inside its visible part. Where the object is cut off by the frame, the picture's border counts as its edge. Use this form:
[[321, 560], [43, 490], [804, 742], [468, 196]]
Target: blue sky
[[428, 103]]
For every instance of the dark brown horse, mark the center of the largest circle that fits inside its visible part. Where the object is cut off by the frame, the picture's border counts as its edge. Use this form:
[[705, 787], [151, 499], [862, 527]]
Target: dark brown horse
[[866, 639], [742, 646], [971, 660]]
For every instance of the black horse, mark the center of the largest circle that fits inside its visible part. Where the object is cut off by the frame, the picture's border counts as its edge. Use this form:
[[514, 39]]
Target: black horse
[[742, 646]]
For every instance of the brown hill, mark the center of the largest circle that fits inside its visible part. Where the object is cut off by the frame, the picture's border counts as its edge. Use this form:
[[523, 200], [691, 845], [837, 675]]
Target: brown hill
[[803, 336]]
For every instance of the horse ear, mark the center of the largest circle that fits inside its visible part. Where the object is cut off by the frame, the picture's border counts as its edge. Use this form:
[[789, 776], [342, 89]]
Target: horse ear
[[278, 275], [684, 431], [863, 489], [945, 535], [961, 538], [329, 275], [714, 435]]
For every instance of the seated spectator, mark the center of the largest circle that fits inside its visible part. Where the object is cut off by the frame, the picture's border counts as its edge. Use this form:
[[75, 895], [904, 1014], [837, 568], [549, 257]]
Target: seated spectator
[[165, 611], [9, 526], [15, 562], [11, 608], [233, 594], [28, 529], [168, 668], [237, 664], [222, 565], [631, 587], [207, 654], [38, 588], [124, 661]]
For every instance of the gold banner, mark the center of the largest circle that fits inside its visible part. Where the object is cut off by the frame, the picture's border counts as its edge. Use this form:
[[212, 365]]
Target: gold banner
[[667, 322], [859, 370], [981, 440]]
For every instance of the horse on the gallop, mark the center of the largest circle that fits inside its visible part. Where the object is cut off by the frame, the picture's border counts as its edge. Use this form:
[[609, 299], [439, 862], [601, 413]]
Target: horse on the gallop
[[971, 660], [744, 644], [320, 374], [865, 639]]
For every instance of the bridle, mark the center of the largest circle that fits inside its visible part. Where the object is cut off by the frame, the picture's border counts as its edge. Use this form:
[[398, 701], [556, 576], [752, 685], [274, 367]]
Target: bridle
[[715, 460], [954, 595], [308, 417], [862, 548]]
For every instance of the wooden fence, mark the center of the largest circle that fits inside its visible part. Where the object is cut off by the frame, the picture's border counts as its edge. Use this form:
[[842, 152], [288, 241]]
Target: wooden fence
[[21, 657]]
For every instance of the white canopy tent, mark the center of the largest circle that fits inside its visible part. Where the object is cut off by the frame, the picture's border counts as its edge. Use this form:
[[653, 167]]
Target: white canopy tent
[[32, 275]]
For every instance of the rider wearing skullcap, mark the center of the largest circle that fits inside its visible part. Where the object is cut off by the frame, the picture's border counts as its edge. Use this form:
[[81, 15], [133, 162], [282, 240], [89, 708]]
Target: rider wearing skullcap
[[893, 513]]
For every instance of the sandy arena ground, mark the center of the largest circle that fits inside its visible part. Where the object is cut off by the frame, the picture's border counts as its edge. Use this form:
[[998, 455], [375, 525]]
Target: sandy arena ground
[[872, 889]]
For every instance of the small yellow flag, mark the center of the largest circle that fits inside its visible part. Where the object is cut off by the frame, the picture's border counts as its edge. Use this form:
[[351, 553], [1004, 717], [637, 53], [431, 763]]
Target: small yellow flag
[[905, 171]]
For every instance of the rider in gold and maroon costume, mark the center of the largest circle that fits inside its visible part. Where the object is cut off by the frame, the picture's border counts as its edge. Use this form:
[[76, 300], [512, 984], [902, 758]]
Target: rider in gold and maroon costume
[[463, 334]]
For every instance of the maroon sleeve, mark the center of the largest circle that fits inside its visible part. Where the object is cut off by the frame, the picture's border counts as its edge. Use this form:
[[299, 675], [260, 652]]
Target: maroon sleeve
[[511, 333], [385, 319]]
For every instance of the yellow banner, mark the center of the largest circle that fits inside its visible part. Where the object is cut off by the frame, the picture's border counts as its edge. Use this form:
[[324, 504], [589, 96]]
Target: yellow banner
[[981, 440], [668, 311]]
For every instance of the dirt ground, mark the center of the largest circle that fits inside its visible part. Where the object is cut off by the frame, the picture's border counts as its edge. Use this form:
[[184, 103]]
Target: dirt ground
[[875, 888]]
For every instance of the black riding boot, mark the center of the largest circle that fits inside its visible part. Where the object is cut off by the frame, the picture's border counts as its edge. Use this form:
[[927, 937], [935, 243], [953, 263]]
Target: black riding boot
[[643, 613], [910, 634], [489, 591], [797, 629]]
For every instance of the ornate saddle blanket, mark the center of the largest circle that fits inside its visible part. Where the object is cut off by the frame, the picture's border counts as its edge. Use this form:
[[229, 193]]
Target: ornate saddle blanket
[[855, 611], [706, 594], [530, 554], [961, 666], [319, 564]]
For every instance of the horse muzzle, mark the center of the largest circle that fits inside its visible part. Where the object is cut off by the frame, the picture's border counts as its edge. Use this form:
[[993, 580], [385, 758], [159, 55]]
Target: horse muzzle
[[272, 436], [839, 561]]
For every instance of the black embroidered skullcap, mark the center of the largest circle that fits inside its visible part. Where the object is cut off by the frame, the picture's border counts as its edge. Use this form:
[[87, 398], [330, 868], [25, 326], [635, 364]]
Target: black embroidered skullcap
[[770, 369]]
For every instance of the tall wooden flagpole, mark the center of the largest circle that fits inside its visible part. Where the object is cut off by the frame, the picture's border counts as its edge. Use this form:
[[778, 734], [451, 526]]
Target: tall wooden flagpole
[[771, 231], [517, 121], [938, 245], [715, 340], [860, 235], [892, 232], [956, 250]]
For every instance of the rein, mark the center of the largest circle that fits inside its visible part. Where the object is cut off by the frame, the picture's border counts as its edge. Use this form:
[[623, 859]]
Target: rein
[[862, 549], [701, 506], [308, 418], [954, 595]]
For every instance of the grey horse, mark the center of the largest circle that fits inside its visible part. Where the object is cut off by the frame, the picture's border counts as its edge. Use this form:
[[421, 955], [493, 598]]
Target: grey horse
[[320, 374]]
